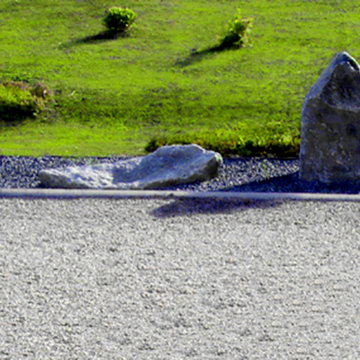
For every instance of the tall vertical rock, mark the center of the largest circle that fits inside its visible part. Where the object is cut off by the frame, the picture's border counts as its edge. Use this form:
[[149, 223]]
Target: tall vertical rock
[[330, 124]]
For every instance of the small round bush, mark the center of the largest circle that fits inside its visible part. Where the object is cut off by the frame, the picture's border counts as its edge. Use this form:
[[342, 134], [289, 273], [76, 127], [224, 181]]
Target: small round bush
[[238, 31], [19, 100], [119, 19]]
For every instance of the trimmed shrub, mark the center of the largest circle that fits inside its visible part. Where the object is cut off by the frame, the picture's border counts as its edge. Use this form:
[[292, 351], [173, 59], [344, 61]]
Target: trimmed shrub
[[19, 100], [238, 31], [119, 19]]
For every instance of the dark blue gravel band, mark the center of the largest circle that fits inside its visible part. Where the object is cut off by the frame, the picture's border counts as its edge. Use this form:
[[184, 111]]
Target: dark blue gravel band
[[253, 174]]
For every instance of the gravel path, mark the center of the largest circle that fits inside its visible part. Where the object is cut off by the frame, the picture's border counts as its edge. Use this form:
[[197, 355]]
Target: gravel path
[[253, 174], [162, 279]]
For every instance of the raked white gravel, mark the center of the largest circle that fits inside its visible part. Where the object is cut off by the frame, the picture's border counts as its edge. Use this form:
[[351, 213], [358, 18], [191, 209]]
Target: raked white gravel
[[176, 278]]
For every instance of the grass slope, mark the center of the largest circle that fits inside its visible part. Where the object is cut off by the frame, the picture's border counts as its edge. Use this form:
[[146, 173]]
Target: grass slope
[[160, 84]]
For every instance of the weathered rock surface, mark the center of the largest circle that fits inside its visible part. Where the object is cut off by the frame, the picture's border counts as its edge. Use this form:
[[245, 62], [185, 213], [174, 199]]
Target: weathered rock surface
[[168, 165], [330, 124]]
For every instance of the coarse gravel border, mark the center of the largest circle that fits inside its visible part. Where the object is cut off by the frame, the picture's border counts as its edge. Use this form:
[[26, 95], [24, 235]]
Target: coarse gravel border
[[238, 178]]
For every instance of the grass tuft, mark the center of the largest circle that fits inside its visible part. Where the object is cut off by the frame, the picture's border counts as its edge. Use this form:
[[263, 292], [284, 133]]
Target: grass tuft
[[20, 100]]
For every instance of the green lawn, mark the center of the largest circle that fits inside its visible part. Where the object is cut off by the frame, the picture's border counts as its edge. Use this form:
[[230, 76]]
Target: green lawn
[[133, 93]]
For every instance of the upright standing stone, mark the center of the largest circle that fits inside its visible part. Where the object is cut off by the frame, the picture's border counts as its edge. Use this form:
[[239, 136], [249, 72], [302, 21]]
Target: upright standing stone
[[330, 124]]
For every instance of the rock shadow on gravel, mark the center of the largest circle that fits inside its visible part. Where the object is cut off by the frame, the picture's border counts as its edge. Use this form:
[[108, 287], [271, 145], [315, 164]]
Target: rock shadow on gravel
[[292, 183], [188, 207]]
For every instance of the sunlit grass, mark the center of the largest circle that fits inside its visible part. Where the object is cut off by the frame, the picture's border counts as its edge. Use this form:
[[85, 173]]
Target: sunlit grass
[[160, 84]]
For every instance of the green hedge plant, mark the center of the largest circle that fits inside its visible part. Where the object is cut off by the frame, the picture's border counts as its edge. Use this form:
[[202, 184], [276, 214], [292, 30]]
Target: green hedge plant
[[119, 19], [237, 34], [19, 100]]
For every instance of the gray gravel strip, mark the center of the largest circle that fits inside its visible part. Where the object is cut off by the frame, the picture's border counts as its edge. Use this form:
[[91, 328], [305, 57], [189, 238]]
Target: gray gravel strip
[[23, 172], [235, 175], [179, 279]]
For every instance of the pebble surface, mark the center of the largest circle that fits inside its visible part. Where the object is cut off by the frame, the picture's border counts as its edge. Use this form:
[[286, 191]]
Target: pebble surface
[[235, 174], [175, 280]]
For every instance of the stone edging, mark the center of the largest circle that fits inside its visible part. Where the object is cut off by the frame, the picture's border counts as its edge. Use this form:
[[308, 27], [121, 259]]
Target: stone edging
[[160, 194]]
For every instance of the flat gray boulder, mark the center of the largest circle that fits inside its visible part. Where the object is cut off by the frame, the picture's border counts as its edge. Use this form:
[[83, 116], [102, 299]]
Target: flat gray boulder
[[168, 165], [330, 124]]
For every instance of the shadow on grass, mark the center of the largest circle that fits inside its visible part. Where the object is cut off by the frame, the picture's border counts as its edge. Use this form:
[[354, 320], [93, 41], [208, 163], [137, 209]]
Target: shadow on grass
[[6, 123], [188, 207], [196, 56], [101, 37], [14, 119]]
